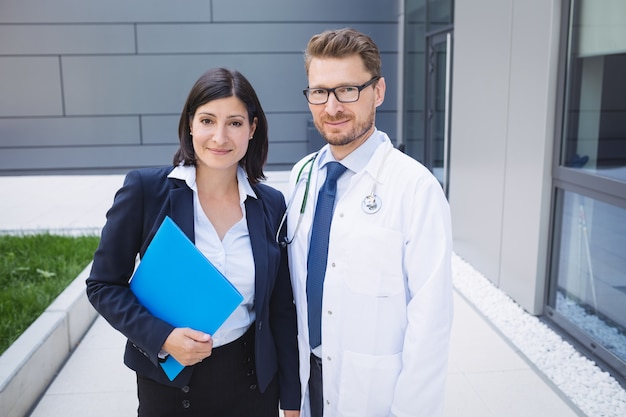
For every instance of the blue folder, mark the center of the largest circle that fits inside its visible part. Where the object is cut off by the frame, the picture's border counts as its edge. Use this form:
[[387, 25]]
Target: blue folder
[[178, 284]]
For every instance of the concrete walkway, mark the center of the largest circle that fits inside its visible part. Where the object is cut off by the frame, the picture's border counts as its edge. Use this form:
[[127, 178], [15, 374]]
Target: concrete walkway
[[487, 376]]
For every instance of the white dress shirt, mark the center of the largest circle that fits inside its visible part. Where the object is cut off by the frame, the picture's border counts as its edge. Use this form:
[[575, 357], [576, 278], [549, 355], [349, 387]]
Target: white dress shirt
[[232, 256]]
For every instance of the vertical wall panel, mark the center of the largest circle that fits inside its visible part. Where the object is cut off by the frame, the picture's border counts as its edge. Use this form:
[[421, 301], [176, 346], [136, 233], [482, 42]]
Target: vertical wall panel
[[527, 187], [479, 129], [30, 86], [502, 125]]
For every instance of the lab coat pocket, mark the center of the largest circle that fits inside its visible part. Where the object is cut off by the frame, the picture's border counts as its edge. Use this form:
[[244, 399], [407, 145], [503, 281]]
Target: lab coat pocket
[[367, 384], [376, 269]]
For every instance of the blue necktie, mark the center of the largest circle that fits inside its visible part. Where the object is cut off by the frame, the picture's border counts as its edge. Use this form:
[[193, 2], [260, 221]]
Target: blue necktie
[[318, 250]]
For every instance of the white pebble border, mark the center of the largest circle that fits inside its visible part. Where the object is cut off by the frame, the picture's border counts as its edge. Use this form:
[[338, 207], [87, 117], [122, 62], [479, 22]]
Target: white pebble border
[[593, 391]]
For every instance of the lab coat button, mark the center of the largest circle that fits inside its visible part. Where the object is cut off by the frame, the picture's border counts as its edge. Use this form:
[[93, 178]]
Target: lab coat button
[[330, 313], [332, 264]]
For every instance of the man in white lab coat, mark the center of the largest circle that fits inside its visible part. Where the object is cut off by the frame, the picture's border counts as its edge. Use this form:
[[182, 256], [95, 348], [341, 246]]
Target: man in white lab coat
[[386, 303]]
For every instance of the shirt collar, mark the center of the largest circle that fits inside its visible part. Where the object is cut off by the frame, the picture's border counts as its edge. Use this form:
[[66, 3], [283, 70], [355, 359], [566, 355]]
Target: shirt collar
[[357, 159], [187, 173]]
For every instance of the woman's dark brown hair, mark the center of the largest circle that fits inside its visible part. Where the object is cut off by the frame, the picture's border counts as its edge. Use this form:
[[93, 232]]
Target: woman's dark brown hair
[[219, 83]]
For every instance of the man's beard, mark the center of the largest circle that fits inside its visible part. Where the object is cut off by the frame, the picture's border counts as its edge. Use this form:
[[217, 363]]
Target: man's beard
[[357, 132]]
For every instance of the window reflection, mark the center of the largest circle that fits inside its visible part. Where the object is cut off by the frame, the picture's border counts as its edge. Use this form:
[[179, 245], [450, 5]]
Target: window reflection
[[595, 129], [591, 276]]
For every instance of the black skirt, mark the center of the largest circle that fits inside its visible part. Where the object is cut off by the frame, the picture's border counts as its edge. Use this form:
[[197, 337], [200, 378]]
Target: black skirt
[[224, 385]]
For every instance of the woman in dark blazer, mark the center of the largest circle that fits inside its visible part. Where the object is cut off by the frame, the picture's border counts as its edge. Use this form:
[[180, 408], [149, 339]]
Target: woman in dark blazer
[[213, 193]]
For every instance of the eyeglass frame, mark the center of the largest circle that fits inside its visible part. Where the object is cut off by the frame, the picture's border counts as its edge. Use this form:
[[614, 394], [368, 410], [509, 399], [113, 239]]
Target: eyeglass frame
[[332, 90]]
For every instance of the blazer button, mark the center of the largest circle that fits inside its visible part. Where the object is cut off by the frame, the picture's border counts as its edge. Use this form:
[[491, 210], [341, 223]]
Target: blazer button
[[185, 389], [253, 386], [186, 404]]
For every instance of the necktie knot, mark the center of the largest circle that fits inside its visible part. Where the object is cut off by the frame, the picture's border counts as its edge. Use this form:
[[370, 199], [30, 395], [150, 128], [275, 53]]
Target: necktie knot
[[334, 170]]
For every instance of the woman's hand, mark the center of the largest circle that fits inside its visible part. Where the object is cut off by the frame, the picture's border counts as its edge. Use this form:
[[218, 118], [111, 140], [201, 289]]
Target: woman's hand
[[188, 346]]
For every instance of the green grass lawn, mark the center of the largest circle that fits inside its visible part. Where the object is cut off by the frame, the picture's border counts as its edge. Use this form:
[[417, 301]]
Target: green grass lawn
[[34, 270]]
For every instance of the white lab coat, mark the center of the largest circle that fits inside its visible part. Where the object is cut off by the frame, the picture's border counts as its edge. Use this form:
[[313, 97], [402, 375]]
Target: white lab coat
[[387, 303]]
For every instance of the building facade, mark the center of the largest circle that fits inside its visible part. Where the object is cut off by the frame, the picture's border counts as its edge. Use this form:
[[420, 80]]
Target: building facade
[[517, 106], [93, 87], [537, 161]]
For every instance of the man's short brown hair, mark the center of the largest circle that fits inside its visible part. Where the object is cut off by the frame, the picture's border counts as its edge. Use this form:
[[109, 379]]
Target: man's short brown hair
[[343, 43]]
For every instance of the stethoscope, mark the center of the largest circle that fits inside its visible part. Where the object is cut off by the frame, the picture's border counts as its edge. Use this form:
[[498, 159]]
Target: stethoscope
[[371, 203]]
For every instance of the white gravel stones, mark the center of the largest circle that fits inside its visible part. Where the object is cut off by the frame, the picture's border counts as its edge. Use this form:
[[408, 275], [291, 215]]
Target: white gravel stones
[[594, 391]]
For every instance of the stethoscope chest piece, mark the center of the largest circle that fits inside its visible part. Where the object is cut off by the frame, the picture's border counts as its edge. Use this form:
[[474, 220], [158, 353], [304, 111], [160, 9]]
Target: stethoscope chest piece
[[371, 204]]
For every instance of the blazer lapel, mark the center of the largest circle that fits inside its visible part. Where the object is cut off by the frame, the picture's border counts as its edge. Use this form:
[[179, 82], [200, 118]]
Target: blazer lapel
[[181, 210], [256, 228]]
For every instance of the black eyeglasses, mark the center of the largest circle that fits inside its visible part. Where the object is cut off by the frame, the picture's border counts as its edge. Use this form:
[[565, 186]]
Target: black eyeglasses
[[343, 94]]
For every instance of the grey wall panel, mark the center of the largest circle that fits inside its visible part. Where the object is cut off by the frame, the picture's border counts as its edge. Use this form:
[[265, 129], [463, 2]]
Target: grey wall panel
[[161, 129], [67, 39], [479, 128], [288, 127], [223, 38], [386, 121], [105, 80], [254, 38], [307, 11], [119, 158], [67, 131], [110, 85], [502, 125], [285, 153], [90, 11], [29, 86], [528, 187], [159, 84]]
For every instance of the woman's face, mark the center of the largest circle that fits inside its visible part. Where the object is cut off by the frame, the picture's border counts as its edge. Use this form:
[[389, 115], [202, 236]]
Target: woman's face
[[220, 133]]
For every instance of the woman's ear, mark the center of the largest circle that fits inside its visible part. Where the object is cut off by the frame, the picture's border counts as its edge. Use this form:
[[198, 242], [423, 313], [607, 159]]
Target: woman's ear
[[253, 127]]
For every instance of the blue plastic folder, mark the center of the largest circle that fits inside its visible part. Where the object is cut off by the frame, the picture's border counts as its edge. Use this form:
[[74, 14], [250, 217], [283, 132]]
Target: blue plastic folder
[[178, 284]]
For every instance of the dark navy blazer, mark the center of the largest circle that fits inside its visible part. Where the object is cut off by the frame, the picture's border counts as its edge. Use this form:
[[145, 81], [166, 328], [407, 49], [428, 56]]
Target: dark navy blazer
[[138, 209]]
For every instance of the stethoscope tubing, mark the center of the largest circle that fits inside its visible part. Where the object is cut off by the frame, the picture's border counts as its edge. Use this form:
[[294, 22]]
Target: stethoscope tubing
[[286, 241], [371, 203]]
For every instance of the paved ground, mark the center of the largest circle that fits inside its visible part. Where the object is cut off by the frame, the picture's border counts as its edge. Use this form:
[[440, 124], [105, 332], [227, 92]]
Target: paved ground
[[486, 378]]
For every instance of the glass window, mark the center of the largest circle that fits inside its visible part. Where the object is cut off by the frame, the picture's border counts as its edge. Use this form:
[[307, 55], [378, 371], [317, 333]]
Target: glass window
[[595, 124], [414, 77], [425, 66], [587, 282], [590, 275]]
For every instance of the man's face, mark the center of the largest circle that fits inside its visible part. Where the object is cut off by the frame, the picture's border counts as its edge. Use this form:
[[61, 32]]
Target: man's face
[[345, 126]]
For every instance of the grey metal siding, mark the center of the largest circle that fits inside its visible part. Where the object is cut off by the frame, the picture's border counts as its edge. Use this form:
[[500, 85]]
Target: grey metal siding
[[92, 87]]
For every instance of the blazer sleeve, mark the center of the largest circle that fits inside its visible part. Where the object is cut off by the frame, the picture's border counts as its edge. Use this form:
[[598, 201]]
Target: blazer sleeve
[[114, 261]]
